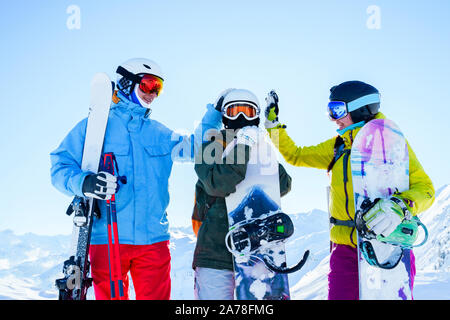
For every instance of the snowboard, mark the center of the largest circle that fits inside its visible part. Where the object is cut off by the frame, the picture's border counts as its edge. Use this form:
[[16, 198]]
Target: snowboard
[[380, 167], [76, 269], [257, 197]]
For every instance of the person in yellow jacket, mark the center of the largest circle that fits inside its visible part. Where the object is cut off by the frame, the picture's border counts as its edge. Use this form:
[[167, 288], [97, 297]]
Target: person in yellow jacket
[[352, 104]]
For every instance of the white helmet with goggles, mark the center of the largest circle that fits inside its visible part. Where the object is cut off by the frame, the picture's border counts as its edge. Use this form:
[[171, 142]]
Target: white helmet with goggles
[[240, 102], [142, 72]]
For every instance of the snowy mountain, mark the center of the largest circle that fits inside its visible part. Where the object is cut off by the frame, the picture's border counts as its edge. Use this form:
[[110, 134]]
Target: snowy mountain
[[433, 259], [432, 280], [29, 264]]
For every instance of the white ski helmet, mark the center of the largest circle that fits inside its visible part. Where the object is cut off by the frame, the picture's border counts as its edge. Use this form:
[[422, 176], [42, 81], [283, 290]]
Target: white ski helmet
[[239, 120], [240, 96], [128, 73]]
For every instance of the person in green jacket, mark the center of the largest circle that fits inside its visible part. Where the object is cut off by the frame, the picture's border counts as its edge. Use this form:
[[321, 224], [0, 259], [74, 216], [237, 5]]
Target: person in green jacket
[[217, 178]]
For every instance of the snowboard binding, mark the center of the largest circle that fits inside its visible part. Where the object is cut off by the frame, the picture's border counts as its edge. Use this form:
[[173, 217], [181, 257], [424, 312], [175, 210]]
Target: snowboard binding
[[403, 237], [248, 237]]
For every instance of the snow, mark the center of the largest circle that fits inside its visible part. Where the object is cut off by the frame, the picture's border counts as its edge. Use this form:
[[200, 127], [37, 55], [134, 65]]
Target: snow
[[432, 260], [4, 264], [29, 264], [313, 285]]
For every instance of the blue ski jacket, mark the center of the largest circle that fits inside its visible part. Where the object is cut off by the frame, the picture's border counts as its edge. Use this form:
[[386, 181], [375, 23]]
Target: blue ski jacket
[[145, 151]]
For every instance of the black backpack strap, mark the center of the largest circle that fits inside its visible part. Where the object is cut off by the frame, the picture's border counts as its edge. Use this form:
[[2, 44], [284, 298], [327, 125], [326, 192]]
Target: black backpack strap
[[338, 152]]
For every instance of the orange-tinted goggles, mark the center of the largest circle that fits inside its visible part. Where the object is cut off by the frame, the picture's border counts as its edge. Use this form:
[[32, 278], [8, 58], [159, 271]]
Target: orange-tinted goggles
[[151, 84], [249, 111]]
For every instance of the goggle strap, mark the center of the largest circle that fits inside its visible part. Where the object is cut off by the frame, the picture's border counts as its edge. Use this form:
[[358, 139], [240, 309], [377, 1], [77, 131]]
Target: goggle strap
[[127, 74], [243, 114]]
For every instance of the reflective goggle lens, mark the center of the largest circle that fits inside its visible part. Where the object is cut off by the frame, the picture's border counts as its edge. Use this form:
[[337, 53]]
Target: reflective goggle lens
[[337, 110], [248, 110], [151, 84]]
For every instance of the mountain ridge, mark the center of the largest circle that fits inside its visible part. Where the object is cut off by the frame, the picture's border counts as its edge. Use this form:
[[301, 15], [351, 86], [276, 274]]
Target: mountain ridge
[[30, 263]]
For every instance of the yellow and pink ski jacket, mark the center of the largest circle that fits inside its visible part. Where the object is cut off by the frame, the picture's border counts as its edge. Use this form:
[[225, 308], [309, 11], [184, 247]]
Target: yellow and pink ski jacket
[[418, 198]]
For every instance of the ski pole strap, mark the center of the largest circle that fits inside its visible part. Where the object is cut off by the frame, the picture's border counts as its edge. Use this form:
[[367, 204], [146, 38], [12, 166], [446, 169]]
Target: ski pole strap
[[345, 223]]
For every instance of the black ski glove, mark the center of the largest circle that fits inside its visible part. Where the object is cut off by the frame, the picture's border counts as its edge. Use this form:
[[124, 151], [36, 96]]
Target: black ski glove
[[100, 186], [272, 111]]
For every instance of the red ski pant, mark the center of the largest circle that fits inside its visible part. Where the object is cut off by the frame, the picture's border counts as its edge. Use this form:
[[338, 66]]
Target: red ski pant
[[148, 265]]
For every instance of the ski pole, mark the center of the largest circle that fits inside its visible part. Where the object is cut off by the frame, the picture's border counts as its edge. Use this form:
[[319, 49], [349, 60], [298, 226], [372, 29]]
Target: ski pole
[[110, 252], [117, 263], [115, 272]]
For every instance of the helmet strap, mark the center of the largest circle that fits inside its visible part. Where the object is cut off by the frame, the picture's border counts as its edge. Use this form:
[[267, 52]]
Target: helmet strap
[[127, 74], [131, 77]]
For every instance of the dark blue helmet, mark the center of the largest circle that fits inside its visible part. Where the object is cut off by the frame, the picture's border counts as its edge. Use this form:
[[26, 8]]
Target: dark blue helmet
[[363, 100]]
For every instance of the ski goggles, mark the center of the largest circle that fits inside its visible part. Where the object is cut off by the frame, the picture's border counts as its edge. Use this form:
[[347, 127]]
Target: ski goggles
[[151, 84], [232, 110], [339, 109]]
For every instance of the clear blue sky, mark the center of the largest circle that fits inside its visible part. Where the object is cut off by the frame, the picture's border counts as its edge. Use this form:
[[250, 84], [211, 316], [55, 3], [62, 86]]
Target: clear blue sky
[[299, 48]]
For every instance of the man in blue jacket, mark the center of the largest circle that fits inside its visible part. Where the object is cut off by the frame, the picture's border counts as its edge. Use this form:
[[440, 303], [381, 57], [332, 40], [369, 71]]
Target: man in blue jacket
[[145, 150]]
